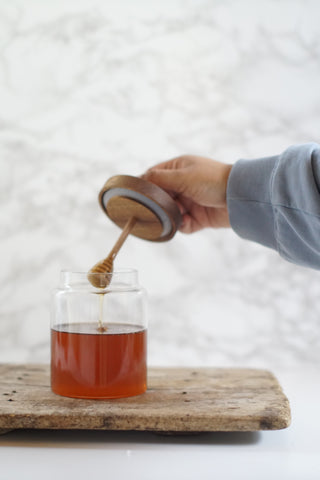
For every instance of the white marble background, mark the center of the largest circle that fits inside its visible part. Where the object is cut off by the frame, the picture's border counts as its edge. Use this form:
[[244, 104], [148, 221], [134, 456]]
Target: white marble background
[[89, 89]]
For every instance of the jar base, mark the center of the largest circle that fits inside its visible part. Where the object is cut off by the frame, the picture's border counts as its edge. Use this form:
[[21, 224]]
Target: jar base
[[102, 397]]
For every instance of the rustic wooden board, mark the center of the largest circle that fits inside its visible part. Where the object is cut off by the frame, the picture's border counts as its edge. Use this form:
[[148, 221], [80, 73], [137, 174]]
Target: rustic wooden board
[[177, 400]]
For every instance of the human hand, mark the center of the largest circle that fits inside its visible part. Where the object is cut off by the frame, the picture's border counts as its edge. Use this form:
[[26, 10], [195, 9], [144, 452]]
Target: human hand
[[198, 185]]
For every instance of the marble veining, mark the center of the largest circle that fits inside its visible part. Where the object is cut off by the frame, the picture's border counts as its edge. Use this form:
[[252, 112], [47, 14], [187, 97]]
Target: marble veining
[[89, 89]]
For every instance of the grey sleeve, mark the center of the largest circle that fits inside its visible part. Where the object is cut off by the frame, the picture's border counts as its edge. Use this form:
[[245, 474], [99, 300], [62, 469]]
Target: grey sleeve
[[275, 201]]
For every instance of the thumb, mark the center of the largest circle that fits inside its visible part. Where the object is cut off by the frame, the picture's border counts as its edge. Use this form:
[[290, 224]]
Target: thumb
[[172, 180]]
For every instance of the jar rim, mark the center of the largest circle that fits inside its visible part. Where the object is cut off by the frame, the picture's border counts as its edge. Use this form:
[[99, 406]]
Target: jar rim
[[120, 278], [114, 272]]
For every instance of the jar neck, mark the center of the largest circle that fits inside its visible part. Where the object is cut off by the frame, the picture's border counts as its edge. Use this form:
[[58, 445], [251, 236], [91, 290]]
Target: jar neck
[[122, 278]]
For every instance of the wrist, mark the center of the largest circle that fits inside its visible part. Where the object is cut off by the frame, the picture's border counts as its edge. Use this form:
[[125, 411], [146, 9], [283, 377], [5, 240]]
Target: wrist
[[224, 178]]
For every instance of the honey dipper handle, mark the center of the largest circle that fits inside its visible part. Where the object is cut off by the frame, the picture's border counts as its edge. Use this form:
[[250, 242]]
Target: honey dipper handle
[[125, 232]]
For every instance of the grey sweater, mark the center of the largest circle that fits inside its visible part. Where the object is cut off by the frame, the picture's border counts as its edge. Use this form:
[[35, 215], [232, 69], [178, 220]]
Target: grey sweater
[[275, 201]]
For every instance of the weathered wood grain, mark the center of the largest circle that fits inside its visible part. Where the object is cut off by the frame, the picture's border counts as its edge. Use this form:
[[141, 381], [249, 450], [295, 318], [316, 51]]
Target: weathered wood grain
[[177, 400]]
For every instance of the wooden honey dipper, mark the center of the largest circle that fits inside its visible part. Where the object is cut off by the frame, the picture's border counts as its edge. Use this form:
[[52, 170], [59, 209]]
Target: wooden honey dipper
[[101, 273]]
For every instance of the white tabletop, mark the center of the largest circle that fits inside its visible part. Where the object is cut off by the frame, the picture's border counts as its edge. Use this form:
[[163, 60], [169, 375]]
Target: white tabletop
[[292, 454]]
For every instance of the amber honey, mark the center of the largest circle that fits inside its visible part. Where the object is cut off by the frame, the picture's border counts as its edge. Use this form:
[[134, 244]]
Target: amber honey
[[87, 362]]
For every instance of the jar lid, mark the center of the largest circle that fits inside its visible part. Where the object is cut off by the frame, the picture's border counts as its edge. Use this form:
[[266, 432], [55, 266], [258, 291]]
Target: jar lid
[[157, 215]]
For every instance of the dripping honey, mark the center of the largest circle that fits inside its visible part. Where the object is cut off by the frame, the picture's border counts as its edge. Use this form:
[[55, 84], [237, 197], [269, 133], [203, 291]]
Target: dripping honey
[[101, 327]]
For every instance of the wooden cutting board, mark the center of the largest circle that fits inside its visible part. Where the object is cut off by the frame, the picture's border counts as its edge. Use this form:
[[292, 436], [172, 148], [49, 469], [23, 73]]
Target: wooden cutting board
[[177, 400]]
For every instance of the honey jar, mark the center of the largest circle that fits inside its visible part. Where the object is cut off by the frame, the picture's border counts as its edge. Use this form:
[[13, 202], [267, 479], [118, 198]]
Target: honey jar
[[99, 337]]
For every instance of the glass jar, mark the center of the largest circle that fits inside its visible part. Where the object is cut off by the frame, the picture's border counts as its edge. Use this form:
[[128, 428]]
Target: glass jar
[[99, 337]]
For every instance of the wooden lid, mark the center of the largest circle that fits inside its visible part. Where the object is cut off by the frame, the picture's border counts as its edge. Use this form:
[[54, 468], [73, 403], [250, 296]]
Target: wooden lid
[[158, 216]]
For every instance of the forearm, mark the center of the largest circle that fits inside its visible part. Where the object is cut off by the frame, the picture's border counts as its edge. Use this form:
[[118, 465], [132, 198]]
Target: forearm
[[275, 201]]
